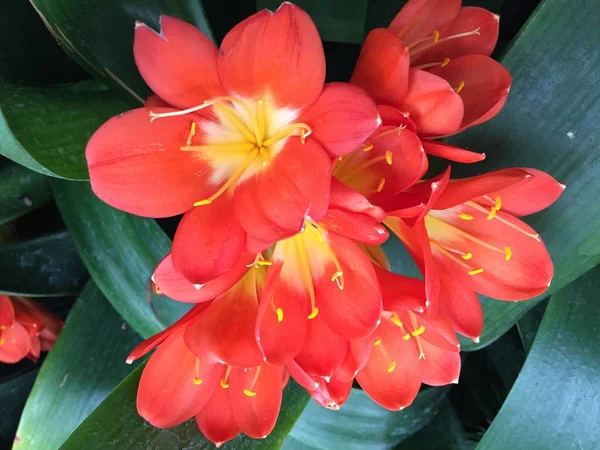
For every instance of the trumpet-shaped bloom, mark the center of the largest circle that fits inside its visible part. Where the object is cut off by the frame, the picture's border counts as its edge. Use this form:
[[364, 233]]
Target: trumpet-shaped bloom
[[26, 329], [177, 385], [240, 139], [431, 75], [466, 238]]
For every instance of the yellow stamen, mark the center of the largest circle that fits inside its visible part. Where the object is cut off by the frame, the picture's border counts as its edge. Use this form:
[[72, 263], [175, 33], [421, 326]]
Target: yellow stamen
[[419, 331], [463, 233], [368, 148], [443, 63], [234, 178], [377, 342], [313, 313], [192, 133], [260, 121], [464, 216], [492, 214], [396, 320], [219, 147], [294, 129], [388, 157], [279, 313], [507, 253], [460, 87], [2, 340], [305, 269], [498, 203], [224, 384], [380, 185], [264, 263], [338, 278], [406, 337], [449, 254], [225, 381], [249, 393], [504, 221], [446, 62], [392, 366], [197, 381], [476, 271], [467, 256], [439, 41], [365, 165], [233, 118]]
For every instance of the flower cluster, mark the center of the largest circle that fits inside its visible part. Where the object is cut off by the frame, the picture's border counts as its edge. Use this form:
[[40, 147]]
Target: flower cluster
[[26, 329], [288, 188]]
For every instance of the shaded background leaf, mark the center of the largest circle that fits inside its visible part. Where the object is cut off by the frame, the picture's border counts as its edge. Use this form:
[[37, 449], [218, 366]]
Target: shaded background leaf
[[21, 191]]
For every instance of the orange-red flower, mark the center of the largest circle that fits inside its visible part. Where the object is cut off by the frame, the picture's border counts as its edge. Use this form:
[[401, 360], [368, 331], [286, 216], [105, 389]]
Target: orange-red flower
[[431, 76], [244, 142], [466, 238], [26, 329]]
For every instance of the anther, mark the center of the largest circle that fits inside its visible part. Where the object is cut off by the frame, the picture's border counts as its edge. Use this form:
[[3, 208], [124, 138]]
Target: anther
[[396, 320], [492, 213], [498, 203], [460, 87], [224, 384], [419, 331], [476, 271], [337, 277], [446, 62], [197, 381], [436, 35], [467, 256], [392, 366], [507, 253], [388, 157], [249, 393], [406, 337], [380, 185], [313, 314], [2, 340], [279, 313], [368, 148], [188, 142], [464, 216], [377, 342]]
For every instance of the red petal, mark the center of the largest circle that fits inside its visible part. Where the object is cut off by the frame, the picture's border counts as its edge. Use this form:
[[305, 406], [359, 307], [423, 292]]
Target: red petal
[[382, 67], [213, 232], [356, 358], [16, 344], [137, 165], [300, 376], [419, 18], [439, 367], [353, 311], [356, 227], [154, 341], [521, 272], [7, 312], [174, 285], [256, 414], [154, 101], [461, 307], [451, 152], [273, 204], [469, 19], [437, 330], [393, 385], [333, 393], [464, 189], [324, 351], [345, 198], [276, 55], [225, 330], [537, 194], [434, 106], [400, 293], [34, 352], [394, 117], [168, 395], [486, 86], [281, 325], [342, 118], [215, 420], [179, 64]]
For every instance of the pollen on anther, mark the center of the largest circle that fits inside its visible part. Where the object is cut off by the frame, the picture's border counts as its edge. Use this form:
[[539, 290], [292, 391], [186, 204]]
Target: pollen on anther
[[380, 185], [467, 256], [313, 313], [224, 384], [460, 87], [206, 201], [388, 157], [249, 393], [392, 366], [464, 216], [377, 342], [396, 320], [368, 148], [436, 35], [476, 271], [197, 381], [419, 331], [446, 62], [492, 213], [498, 203], [507, 253], [279, 313], [406, 337]]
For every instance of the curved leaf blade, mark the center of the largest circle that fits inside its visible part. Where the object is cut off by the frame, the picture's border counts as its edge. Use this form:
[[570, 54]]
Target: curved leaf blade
[[13, 395], [115, 424], [21, 191], [120, 251], [85, 364], [43, 267], [46, 129], [558, 382]]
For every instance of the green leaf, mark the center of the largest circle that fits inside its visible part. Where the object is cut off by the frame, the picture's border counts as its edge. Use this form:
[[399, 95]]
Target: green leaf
[[46, 129], [85, 364], [336, 20], [363, 424], [48, 267], [13, 394], [120, 251], [549, 123], [21, 191], [558, 386], [98, 34], [115, 424], [529, 324]]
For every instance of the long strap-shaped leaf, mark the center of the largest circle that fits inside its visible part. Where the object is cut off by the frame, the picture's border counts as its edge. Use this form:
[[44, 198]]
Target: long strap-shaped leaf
[[115, 424], [555, 402], [85, 364], [21, 191], [120, 251]]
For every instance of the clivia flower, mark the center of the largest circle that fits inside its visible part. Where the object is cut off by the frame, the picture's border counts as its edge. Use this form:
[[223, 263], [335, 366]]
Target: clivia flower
[[176, 385], [431, 76], [243, 144], [465, 237], [26, 329]]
